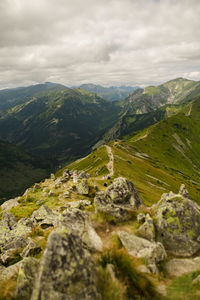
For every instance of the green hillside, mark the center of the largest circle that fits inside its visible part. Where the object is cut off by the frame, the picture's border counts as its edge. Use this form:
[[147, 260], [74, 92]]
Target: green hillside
[[60, 126], [19, 170]]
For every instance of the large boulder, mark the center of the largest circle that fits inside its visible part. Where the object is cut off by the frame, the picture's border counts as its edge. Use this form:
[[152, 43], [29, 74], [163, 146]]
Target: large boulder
[[119, 199], [66, 270], [7, 205], [78, 222], [142, 248], [147, 229], [177, 221]]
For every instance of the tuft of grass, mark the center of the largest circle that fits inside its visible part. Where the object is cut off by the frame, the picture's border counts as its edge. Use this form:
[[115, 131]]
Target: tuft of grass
[[138, 285], [7, 288], [182, 288]]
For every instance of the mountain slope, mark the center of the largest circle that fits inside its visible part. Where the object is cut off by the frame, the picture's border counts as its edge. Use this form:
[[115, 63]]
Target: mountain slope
[[59, 125], [19, 170], [112, 93], [12, 97]]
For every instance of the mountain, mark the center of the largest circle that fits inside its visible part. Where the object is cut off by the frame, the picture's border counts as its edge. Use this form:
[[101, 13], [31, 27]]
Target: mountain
[[19, 170], [112, 93], [58, 125], [12, 97]]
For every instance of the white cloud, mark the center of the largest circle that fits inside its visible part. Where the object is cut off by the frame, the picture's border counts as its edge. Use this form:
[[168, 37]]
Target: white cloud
[[106, 42]]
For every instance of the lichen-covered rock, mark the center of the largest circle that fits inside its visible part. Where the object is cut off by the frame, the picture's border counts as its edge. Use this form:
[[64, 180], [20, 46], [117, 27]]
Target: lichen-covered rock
[[7, 205], [183, 191], [177, 221], [78, 222], [45, 217], [31, 249], [147, 229], [27, 272], [82, 187], [83, 174], [119, 199], [10, 271], [66, 270], [139, 247], [141, 218], [79, 204]]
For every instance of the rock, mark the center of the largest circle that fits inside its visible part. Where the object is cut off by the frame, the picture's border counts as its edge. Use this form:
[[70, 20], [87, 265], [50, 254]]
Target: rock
[[181, 266], [66, 270], [45, 217], [83, 174], [18, 242], [51, 193], [177, 221], [31, 249], [7, 205], [24, 226], [52, 177], [26, 276], [139, 247], [66, 194], [141, 218], [10, 271], [39, 202], [147, 230], [119, 199], [78, 222], [143, 269], [183, 191], [82, 187], [8, 220], [80, 203]]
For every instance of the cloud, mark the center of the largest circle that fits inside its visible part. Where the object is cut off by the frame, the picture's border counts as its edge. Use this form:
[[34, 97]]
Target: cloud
[[106, 42]]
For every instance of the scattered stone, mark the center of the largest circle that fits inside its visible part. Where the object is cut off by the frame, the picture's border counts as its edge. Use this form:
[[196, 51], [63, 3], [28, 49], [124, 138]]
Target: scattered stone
[[141, 218], [52, 177], [82, 187], [139, 247], [66, 270], [147, 229], [183, 191], [177, 221], [27, 272], [10, 271], [7, 205], [31, 249], [66, 194], [40, 202], [83, 174], [143, 269], [51, 193], [45, 217], [79, 204], [181, 266], [119, 199]]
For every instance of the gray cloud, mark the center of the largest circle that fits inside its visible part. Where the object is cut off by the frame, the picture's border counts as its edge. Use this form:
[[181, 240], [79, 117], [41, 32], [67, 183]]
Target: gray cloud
[[105, 42]]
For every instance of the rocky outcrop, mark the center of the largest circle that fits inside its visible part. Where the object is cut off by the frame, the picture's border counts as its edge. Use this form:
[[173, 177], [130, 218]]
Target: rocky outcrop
[[139, 247], [7, 205], [27, 272], [119, 199], [66, 270], [177, 221], [31, 249]]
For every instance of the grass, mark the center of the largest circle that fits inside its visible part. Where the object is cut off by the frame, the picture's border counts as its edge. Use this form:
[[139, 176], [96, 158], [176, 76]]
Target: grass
[[182, 288], [133, 284]]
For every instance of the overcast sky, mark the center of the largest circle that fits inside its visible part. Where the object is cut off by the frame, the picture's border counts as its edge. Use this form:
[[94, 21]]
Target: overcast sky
[[108, 42]]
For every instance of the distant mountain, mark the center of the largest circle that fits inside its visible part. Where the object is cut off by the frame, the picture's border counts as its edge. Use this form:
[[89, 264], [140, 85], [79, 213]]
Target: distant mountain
[[59, 125], [12, 97], [19, 170], [112, 93]]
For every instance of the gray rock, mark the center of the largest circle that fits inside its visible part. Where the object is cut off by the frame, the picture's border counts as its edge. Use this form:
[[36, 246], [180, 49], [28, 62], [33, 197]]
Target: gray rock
[[66, 270], [26, 277], [139, 247], [147, 229], [31, 249], [82, 187], [83, 174], [181, 266], [45, 217], [119, 199], [177, 221], [78, 222], [10, 271], [51, 193], [79, 204], [7, 205], [183, 191]]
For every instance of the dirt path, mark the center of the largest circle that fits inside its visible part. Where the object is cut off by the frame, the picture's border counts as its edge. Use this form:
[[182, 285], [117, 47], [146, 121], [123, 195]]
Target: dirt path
[[110, 164]]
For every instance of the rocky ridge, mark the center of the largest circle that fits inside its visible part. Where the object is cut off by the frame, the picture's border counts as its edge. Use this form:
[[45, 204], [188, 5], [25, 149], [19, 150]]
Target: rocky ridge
[[54, 252]]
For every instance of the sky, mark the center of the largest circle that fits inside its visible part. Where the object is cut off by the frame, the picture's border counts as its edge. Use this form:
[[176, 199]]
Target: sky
[[107, 42]]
